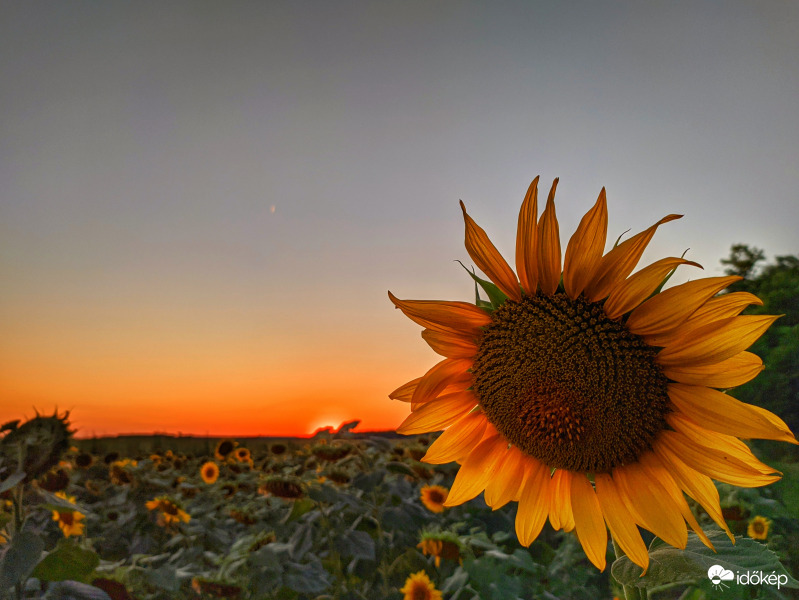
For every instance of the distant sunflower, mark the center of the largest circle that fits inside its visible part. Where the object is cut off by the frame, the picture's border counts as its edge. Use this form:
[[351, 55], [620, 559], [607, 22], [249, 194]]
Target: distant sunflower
[[69, 521], [586, 393], [434, 497], [419, 587], [224, 448], [243, 455], [758, 528], [169, 511], [209, 472]]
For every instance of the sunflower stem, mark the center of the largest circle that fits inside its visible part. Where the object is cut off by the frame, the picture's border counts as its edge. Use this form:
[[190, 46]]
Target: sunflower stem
[[631, 592]]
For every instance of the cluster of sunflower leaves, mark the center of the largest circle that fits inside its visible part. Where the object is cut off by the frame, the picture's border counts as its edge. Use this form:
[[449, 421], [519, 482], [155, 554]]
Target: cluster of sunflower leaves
[[337, 516]]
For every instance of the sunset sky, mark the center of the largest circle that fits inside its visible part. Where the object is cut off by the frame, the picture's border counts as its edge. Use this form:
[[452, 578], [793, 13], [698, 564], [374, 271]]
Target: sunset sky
[[204, 204]]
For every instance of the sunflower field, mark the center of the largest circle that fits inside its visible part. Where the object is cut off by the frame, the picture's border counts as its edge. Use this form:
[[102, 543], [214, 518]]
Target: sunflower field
[[340, 515]]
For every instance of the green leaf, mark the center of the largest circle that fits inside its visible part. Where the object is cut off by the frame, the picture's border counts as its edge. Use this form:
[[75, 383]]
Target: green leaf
[[73, 590], [300, 507], [55, 503], [12, 481], [67, 562], [495, 295], [401, 468], [669, 565], [19, 558], [357, 544]]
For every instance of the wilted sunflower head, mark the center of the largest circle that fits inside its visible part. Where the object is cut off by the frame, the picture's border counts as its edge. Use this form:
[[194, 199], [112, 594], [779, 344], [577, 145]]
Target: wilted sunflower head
[[278, 448], [441, 544], [224, 448], [84, 460], [282, 486], [209, 472], [37, 445], [587, 393]]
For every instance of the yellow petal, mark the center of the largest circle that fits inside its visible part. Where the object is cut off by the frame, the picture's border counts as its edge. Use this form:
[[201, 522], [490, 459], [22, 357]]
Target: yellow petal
[[651, 505], [729, 373], [549, 246], [654, 467], [617, 264], [588, 521], [560, 503], [716, 341], [527, 241], [718, 441], [673, 306], [438, 377], [488, 259], [713, 462], [450, 345], [477, 470], [533, 502], [438, 413], [404, 392], [585, 248], [457, 441], [508, 477], [722, 413], [447, 317], [620, 522], [700, 487], [639, 286]]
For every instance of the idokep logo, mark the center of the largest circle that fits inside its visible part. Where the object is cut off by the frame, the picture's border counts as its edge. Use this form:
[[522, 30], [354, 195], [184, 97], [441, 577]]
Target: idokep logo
[[718, 575]]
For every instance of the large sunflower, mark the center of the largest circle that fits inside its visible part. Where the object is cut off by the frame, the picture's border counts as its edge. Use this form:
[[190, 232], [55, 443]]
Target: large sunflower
[[584, 394]]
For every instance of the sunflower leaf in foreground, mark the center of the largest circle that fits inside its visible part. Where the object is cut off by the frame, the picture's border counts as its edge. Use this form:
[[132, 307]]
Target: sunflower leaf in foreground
[[584, 397], [668, 565]]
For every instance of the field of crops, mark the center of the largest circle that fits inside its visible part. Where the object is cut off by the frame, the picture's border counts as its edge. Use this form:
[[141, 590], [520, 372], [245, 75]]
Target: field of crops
[[336, 516]]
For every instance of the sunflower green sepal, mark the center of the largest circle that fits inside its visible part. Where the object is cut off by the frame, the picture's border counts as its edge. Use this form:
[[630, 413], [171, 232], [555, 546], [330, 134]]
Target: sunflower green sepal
[[496, 297]]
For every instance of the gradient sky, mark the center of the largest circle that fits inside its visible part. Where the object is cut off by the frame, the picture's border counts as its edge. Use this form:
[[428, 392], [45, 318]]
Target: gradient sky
[[203, 204]]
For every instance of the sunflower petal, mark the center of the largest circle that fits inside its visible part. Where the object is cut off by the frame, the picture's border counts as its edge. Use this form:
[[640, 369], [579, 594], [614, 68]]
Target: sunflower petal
[[549, 246], [527, 241], [585, 248], [404, 393], [617, 264], [653, 465], [488, 259], [508, 477], [639, 286], [719, 441], [588, 521], [716, 341], [457, 441], [729, 373], [673, 306], [450, 345], [713, 462], [560, 503], [620, 522], [533, 502], [447, 317], [477, 470], [700, 487], [650, 504], [439, 377], [724, 414], [438, 413]]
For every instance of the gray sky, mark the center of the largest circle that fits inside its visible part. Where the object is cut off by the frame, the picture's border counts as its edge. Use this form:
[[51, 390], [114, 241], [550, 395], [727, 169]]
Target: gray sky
[[227, 190]]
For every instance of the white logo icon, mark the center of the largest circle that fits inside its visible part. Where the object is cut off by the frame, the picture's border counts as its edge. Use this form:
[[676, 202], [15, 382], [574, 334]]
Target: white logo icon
[[718, 574]]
